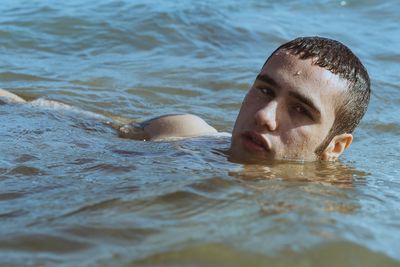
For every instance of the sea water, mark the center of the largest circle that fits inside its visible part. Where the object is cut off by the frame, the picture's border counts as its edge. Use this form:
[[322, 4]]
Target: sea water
[[72, 193]]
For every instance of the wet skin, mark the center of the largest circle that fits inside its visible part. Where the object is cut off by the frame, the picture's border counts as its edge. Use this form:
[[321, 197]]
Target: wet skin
[[288, 111]]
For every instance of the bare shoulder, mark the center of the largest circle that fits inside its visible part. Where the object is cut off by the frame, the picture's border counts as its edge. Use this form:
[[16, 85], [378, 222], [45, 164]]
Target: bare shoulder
[[167, 127]]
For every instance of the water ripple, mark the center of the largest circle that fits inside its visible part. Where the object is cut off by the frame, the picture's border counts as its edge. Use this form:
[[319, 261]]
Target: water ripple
[[12, 76], [42, 243], [10, 195], [70, 185]]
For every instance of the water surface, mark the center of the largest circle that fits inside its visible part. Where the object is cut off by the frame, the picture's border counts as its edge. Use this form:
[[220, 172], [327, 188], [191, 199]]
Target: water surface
[[73, 193]]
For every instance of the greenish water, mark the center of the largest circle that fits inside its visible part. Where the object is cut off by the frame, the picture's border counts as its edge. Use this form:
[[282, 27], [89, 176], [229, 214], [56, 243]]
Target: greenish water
[[73, 193]]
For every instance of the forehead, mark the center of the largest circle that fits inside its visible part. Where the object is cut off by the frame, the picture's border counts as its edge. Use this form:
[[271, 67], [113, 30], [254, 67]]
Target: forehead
[[294, 74]]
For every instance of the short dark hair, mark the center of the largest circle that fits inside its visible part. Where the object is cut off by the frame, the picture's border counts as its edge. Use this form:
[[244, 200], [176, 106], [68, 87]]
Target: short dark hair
[[338, 59]]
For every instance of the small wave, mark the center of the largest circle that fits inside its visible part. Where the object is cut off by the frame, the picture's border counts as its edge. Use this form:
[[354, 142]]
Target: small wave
[[101, 205], [26, 170], [12, 76], [380, 127], [110, 168], [13, 214], [178, 205], [41, 243], [11, 195], [391, 58], [117, 234]]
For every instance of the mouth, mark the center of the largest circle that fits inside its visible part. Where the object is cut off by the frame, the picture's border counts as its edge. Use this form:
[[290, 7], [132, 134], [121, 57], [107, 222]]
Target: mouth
[[255, 142]]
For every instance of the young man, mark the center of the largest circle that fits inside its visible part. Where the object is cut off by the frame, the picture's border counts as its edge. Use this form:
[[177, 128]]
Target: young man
[[305, 103]]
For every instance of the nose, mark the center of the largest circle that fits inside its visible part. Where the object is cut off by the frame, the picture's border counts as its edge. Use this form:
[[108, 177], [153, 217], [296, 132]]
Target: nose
[[266, 117]]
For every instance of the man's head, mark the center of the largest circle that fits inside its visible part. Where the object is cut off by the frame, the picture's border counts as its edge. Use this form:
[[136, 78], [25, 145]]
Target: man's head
[[305, 103]]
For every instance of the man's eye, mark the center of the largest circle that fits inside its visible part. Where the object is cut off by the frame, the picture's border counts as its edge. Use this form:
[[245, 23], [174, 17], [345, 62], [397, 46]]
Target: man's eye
[[300, 110], [268, 92]]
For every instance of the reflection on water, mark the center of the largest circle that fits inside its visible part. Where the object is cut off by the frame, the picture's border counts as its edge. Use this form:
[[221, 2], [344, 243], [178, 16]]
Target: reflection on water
[[330, 173], [72, 192], [218, 255]]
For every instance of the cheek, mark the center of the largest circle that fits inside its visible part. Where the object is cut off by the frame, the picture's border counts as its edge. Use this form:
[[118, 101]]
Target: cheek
[[249, 106], [300, 139], [243, 116], [251, 99], [298, 144]]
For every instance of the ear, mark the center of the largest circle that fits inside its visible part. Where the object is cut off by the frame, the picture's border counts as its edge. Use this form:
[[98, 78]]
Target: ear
[[337, 146]]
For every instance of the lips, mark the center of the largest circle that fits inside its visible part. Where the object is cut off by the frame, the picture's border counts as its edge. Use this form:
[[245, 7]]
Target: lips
[[255, 142]]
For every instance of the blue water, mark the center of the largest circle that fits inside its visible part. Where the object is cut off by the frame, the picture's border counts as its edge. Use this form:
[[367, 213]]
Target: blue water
[[73, 193]]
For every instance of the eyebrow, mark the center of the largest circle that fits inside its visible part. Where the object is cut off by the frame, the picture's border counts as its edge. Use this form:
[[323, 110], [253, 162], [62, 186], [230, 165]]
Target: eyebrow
[[307, 101], [265, 78], [300, 97]]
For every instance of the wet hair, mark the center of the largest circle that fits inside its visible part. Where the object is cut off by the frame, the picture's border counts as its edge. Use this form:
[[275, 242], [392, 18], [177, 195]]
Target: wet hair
[[340, 60]]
